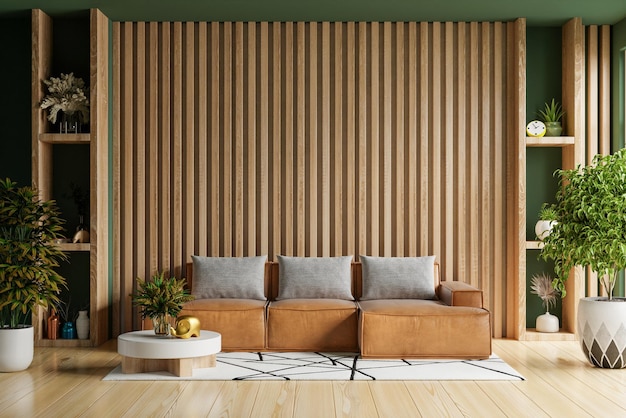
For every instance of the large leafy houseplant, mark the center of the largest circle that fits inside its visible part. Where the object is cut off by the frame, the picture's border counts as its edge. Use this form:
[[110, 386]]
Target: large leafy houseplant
[[159, 298], [591, 221], [28, 256]]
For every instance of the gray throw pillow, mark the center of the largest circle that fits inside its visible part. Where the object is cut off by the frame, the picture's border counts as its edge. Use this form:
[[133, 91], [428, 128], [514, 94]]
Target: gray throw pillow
[[398, 277], [228, 277], [314, 278]]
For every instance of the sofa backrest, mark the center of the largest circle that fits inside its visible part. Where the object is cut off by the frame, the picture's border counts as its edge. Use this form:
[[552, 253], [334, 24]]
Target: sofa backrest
[[272, 276]]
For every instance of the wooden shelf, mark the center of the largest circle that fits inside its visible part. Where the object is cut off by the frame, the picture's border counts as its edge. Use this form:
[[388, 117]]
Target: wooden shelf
[[550, 141], [65, 138], [69, 246], [532, 335], [534, 245], [60, 342]]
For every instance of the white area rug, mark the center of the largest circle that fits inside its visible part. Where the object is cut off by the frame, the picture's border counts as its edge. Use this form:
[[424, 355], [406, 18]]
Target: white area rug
[[334, 366]]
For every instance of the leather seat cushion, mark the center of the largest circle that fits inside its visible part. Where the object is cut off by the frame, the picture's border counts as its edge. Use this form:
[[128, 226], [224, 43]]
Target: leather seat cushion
[[312, 325], [401, 328], [240, 321]]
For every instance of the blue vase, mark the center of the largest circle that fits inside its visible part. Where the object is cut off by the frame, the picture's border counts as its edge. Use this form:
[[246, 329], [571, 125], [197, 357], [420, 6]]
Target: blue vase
[[68, 331]]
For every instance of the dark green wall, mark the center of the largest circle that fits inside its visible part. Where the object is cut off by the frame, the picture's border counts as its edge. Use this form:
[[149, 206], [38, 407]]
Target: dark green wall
[[15, 106]]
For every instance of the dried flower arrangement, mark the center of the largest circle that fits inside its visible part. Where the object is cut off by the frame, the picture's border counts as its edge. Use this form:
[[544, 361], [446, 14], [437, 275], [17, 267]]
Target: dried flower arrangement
[[68, 95], [541, 285]]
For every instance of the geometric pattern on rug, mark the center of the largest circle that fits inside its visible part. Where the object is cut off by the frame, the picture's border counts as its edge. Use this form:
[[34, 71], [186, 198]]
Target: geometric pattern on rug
[[334, 366]]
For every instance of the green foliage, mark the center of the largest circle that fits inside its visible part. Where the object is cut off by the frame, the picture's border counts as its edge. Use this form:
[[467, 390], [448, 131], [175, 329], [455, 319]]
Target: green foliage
[[28, 257], [160, 296], [591, 221], [547, 213], [552, 112]]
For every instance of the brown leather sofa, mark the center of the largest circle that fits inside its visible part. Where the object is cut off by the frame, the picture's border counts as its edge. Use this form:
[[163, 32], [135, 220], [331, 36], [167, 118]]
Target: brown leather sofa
[[456, 325]]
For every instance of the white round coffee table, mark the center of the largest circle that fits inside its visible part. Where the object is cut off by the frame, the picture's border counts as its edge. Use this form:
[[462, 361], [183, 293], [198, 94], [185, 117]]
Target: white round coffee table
[[143, 351]]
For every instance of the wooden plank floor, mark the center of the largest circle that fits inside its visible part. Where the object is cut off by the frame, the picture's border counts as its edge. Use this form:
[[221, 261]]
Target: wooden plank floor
[[66, 382]]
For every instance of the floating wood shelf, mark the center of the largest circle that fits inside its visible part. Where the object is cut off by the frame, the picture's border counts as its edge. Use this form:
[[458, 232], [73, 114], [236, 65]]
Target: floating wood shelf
[[65, 138], [550, 141]]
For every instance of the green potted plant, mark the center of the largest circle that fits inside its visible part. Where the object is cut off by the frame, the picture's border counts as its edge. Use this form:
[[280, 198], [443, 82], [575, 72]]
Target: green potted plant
[[547, 219], [161, 299], [551, 115], [590, 230], [28, 257]]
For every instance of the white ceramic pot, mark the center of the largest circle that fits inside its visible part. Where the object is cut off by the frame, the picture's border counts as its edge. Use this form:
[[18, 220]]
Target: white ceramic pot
[[547, 323], [543, 228], [602, 331], [16, 348]]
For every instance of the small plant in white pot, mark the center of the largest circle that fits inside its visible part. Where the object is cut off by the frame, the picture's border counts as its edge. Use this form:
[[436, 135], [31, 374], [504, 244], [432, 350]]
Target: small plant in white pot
[[28, 258], [547, 219], [541, 285], [591, 231]]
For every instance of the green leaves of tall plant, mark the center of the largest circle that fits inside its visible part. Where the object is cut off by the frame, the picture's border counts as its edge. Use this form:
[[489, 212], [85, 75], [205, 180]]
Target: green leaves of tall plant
[[28, 257], [161, 296], [591, 221]]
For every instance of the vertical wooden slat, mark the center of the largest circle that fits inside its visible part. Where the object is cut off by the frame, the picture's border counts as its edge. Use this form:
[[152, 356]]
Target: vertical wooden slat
[[349, 215], [276, 138], [324, 191], [165, 177], [485, 203], [216, 112], [288, 226], [423, 139], [412, 197], [604, 108], [177, 148], [386, 104], [397, 229], [302, 201], [202, 158], [461, 162], [435, 150], [338, 228], [152, 165], [447, 183], [474, 141], [374, 137], [251, 162], [362, 129], [118, 313], [227, 144], [238, 220], [264, 178], [312, 67]]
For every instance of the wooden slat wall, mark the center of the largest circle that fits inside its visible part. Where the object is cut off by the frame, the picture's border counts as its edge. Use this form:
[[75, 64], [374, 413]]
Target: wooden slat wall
[[598, 122], [311, 139]]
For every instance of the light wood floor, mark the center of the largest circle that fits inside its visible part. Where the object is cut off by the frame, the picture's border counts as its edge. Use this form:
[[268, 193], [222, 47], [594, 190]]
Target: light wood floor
[[66, 382]]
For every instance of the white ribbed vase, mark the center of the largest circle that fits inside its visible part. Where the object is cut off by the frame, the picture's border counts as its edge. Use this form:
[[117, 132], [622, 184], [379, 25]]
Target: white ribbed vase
[[602, 331], [82, 325]]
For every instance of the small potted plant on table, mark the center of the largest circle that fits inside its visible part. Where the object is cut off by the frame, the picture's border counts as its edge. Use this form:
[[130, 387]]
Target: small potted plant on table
[[161, 299]]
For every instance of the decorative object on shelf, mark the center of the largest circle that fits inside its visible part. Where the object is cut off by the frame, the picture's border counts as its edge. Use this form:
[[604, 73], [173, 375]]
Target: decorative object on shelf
[[82, 325], [547, 219], [591, 220], [541, 285], [536, 128], [551, 115], [81, 235], [161, 299], [29, 278], [53, 325], [67, 94], [186, 326], [68, 330], [81, 201]]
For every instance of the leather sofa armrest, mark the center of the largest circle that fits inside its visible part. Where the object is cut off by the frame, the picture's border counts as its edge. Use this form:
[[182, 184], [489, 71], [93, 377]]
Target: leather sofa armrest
[[454, 293]]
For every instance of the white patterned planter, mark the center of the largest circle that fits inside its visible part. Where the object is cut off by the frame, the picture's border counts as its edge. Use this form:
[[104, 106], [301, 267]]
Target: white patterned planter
[[602, 331]]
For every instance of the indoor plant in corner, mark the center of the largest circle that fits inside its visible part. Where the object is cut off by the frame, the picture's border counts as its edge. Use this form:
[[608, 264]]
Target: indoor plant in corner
[[161, 299], [551, 115], [591, 231], [28, 257]]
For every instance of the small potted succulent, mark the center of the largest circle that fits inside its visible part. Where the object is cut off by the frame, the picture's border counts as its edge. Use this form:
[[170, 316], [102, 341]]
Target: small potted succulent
[[547, 219], [551, 115], [161, 299], [541, 285]]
